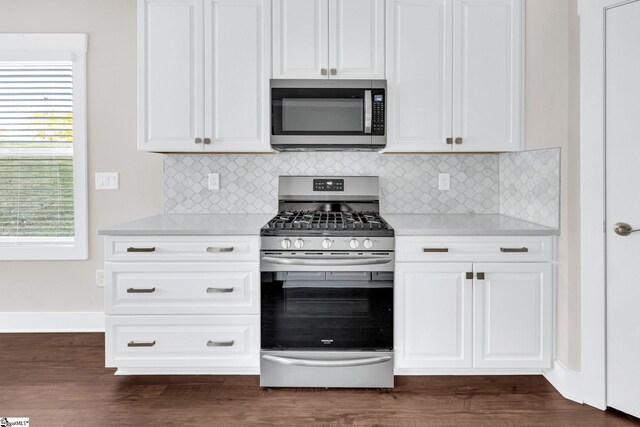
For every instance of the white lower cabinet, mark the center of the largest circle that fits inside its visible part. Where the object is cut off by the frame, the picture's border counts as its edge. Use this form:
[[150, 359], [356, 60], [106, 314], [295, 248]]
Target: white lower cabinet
[[465, 317], [182, 305]]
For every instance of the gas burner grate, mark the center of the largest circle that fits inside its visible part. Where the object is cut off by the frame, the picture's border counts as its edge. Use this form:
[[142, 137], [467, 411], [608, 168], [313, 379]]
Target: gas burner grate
[[320, 220]]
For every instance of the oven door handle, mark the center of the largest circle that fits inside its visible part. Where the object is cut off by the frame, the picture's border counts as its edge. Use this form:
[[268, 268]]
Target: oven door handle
[[368, 107], [327, 363], [326, 261]]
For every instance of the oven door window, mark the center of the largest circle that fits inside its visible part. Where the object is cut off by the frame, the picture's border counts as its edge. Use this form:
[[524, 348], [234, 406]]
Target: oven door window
[[324, 310]]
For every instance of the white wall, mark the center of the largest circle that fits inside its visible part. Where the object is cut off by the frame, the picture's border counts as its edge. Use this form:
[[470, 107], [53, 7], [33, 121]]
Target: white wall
[[111, 65], [552, 120]]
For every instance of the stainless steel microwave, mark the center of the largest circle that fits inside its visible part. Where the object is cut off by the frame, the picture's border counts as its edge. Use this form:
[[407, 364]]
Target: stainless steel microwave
[[328, 114]]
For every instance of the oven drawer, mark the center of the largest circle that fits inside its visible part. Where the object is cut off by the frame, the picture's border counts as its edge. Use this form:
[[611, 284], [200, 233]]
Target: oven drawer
[[182, 288], [181, 248], [182, 342], [475, 249]]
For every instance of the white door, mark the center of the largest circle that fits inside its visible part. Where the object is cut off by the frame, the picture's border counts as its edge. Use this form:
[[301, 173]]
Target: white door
[[432, 321], [419, 72], [237, 53], [356, 39], [623, 206], [170, 80], [512, 315], [488, 86], [300, 39]]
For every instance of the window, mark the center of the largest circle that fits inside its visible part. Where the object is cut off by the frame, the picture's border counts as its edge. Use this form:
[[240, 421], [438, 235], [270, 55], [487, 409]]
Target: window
[[43, 173]]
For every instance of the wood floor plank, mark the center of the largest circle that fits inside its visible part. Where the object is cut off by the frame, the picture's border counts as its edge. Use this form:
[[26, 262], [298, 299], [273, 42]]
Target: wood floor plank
[[60, 380]]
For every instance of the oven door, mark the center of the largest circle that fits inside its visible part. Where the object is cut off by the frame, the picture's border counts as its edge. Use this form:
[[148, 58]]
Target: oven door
[[326, 309]]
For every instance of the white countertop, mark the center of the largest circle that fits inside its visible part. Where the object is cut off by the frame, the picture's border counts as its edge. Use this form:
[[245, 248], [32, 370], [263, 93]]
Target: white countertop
[[190, 224], [403, 225], [465, 225]]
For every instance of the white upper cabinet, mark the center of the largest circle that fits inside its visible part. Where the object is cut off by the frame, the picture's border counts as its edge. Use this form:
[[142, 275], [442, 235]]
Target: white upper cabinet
[[454, 71], [316, 39], [236, 58], [512, 315], [356, 39], [203, 75], [170, 67], [488, 84], [419, 74], [300, 39]]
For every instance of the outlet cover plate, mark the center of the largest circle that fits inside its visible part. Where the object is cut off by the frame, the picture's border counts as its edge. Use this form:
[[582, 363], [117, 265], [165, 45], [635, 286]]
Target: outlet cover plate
[[444, 182], [107, 181], [100, 278], [214, 181]]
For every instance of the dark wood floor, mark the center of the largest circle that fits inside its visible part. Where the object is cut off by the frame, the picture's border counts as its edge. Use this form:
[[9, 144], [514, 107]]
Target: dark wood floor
[[59, 380]]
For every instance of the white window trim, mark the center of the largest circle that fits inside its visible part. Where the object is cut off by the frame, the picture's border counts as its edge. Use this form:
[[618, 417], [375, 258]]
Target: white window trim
[[17, 47]]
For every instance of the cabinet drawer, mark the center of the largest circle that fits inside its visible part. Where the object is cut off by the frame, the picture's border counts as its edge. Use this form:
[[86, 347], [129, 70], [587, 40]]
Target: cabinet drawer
[[182, 342], [182, 288], [475, 249], [181, 248]]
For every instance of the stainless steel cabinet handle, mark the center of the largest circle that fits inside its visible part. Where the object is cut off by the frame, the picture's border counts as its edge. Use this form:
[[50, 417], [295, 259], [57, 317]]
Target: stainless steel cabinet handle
[[624, 229], [141, 344], [220, 343], [216, 249], [327, 363], [514, 249], [323, 71], [141, 290], [326, 261], [132, 249], [368, 111], [435, 249], [333, 71], [207, 141], [219, 290], [449, 141], [198, 141], [458, 141]]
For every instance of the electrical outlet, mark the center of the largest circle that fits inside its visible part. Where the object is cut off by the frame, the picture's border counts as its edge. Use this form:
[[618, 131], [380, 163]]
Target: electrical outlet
[[214, 181], [100, 278], [444, 182], [107, 181]]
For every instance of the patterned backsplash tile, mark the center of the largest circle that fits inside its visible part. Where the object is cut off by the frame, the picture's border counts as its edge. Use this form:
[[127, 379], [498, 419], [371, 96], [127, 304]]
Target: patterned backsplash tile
[[530, 186], [408, 183]]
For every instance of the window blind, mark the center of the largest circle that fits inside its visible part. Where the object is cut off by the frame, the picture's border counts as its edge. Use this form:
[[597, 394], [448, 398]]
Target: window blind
[[36, 150]]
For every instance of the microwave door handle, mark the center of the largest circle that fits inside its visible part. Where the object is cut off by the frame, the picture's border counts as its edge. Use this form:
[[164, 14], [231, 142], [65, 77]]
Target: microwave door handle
[[368, 106]]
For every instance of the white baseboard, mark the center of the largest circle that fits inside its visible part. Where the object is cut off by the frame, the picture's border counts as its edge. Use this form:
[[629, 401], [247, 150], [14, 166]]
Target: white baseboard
[[11, 322], [566, 381]]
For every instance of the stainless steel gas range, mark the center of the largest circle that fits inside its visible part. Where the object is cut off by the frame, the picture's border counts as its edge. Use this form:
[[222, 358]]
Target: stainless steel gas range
[[326, 266]]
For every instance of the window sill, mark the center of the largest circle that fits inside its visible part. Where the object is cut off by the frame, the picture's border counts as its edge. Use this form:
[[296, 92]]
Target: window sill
[[41, 251]]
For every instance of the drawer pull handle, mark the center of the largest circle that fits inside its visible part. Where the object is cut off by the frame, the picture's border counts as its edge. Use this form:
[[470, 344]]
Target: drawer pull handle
[[514, 249], [132, 249], [220, 343], [219, 290], [141, 344], [141, 290], [435, 249], [214, 249]]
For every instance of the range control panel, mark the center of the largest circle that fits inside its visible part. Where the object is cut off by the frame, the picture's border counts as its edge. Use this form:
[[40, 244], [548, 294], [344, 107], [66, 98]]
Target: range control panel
[[328, 185]]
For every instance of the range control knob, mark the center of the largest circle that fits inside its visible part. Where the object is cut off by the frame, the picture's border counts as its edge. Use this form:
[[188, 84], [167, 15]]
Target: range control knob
[[353, 243], [368, 244], [286, 244], [326, 243], [299, 244]]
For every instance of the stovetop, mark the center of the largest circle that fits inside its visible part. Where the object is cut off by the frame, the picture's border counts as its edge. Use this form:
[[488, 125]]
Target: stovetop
[[289, 223]]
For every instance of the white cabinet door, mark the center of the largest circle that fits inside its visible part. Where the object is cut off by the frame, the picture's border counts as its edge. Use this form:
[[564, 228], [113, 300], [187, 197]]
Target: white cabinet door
[[170, 80], [432, 323], [419, 72], [488, 85], [237, 52], [356, 39], [512, 315], [300, 39]]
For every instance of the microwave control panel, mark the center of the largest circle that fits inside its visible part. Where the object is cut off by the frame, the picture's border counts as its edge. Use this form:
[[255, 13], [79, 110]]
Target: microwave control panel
[[377, 122]]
